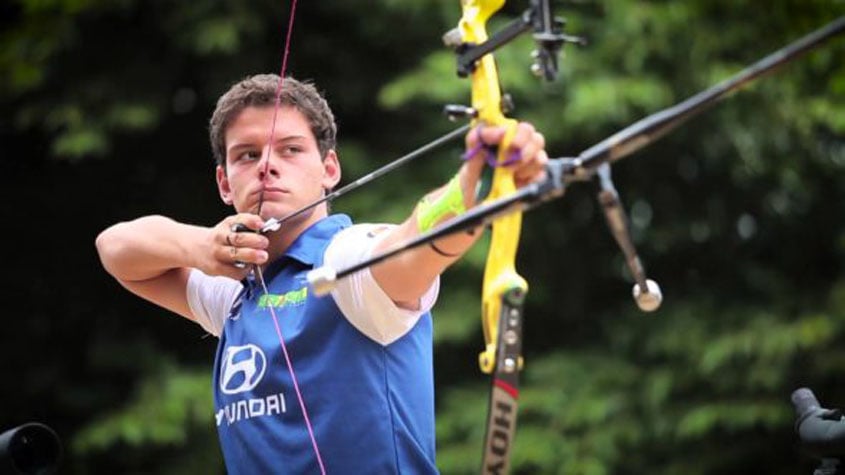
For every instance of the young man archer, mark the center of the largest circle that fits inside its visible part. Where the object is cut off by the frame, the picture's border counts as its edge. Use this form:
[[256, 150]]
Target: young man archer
[[360, 396]]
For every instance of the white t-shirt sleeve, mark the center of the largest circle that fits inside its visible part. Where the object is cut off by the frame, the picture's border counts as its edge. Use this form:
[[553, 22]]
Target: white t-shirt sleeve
[[360, 298], [210, 299]]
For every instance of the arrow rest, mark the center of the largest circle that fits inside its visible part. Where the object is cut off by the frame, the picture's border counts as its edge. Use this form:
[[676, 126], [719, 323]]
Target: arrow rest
[[455, 112]]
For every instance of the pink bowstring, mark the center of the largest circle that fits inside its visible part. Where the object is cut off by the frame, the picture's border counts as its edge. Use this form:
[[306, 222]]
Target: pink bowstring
[[278, 327], [295, 381]]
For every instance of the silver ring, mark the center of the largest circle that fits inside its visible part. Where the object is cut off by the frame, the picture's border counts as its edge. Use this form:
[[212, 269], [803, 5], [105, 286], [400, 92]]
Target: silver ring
[[239, 264]]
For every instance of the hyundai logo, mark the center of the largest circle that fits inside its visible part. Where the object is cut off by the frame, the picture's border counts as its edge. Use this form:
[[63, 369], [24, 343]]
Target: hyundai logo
[[242, 368]]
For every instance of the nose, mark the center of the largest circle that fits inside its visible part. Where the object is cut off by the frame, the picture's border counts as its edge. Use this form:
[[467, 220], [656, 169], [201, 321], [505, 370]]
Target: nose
[[267, 167]]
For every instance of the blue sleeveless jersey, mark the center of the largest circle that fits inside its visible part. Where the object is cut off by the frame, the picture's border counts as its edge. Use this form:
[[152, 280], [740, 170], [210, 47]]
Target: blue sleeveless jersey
[[371, 406]]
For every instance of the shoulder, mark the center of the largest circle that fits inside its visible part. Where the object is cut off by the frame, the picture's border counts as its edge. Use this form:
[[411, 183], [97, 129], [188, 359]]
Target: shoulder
[[364, 233], [354, 244], [210, 298]]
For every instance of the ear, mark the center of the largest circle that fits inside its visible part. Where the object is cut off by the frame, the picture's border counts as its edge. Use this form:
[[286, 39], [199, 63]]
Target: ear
[[223, 185], [331, 170]]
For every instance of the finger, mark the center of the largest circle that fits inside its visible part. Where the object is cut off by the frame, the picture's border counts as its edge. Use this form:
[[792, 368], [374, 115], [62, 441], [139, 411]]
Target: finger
[[250, 256], [532, 170], [484, 135], [247, 240], [492, 135], [240, 257], [528, 143], [535, 150], [249, 248], [523, 135], [533, 156], [244, 222]]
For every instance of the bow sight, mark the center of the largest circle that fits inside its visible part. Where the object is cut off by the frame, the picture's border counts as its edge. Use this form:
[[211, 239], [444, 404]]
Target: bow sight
[[548, 33]]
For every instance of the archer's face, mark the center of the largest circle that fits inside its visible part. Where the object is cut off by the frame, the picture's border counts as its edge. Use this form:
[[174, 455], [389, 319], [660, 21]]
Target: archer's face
[[289, 172]]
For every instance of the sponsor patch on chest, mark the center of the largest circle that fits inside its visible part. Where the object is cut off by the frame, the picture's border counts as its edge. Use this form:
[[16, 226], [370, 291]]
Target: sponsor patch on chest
[[287, 299]]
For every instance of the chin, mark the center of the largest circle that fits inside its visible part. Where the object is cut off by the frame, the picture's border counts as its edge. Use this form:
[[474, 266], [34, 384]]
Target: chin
[[274, 210]]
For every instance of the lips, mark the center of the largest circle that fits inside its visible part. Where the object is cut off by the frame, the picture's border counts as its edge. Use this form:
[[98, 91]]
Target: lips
[[267, 195], [270, 190], [274, 191]]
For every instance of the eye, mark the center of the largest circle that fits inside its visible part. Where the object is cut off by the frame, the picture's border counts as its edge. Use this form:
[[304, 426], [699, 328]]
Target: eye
[[292, 149], [250, 155]]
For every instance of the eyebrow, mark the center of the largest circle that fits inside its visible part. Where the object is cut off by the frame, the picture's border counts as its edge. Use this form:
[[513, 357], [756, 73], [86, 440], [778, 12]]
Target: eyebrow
[[250, 144]]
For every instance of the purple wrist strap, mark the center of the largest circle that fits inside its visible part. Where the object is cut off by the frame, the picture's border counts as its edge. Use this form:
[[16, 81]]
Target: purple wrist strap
[[490, 152]]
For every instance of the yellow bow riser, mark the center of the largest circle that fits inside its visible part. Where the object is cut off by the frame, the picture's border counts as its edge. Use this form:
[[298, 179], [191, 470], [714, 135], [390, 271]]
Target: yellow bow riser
[[503, 289], [500, 276]]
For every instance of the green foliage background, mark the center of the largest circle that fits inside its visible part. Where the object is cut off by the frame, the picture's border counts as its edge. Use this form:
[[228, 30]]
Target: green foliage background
[[738, 214]]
